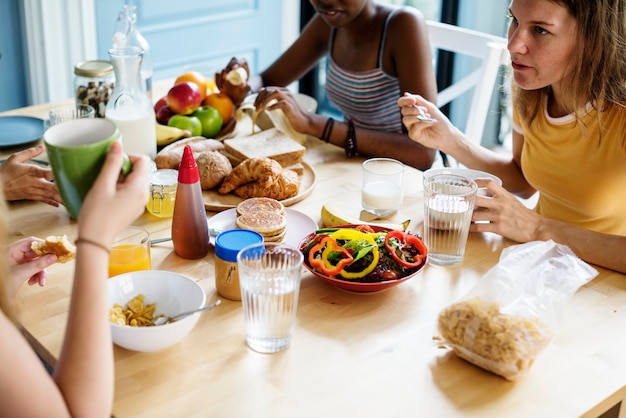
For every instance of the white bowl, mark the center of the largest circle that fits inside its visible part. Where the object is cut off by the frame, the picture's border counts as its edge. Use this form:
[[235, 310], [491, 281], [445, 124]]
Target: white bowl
[[173, 293], [467, 173]]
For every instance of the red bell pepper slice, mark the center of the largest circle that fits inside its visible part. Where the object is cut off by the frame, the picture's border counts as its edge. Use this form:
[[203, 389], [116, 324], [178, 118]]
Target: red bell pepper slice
[[327, 246], [405, 239]]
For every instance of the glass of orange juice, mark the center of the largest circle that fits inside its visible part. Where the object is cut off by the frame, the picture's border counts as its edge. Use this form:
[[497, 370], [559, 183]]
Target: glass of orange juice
[[130, 251]]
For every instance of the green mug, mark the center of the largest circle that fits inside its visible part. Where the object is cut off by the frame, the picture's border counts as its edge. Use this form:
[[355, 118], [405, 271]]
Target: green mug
[[76, 150]]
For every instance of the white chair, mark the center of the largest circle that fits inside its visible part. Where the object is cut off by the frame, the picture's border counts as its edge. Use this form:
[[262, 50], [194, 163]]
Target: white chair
[[490, 50]]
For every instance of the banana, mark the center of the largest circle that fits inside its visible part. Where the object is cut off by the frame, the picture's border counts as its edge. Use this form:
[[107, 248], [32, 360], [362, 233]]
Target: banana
[[332, 215], [167, 134]]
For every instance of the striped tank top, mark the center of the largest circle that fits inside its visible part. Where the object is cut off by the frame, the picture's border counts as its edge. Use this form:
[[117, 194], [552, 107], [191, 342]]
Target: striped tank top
[[369, 98]]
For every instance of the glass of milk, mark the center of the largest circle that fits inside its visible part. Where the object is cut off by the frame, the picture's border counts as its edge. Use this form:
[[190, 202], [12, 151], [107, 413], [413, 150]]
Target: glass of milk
[[383, 183]]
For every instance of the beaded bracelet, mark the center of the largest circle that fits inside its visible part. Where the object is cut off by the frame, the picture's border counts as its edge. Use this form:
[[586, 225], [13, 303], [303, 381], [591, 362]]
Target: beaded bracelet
[[328, 129], [351, 140], [94, 243]]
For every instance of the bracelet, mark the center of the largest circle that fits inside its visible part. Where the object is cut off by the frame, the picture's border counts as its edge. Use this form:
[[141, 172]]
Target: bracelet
[[94, 243], [328, 129], [351, 140]]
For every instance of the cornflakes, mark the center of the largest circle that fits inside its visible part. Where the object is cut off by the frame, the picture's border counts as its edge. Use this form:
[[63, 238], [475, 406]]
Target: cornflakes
[[503, 344], [136, 313]]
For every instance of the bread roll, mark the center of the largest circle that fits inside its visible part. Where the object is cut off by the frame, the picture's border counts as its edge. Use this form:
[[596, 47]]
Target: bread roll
[[213, 168], [171, 155]]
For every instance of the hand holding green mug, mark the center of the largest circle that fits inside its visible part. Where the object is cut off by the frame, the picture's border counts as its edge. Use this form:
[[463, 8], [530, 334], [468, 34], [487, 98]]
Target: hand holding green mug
[[77, 150]]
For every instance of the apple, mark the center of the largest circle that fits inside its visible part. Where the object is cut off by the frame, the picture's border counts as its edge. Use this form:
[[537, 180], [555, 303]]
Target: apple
[[160, 103], [188, 123], [164, 114], [210, 119], [184, 98]]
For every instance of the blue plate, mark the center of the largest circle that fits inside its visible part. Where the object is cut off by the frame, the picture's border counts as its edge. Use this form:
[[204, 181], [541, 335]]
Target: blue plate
[[19, 130]]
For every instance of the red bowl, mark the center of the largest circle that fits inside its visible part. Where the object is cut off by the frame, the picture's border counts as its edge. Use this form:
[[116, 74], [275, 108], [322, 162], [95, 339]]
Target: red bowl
[[352, 286]]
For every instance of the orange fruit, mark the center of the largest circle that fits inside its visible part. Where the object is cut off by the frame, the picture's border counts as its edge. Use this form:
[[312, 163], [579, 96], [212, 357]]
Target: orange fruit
[[223, 104], [194, 77]]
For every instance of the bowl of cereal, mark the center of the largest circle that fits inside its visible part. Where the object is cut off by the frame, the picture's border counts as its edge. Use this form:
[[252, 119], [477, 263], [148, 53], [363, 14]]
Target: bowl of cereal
[[139, 298]]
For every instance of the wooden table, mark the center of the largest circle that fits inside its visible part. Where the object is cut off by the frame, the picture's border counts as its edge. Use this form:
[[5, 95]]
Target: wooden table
[[356, 355]]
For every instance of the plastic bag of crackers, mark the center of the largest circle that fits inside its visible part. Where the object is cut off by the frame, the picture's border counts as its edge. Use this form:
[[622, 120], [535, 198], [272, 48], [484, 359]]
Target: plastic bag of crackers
[[513, 312]]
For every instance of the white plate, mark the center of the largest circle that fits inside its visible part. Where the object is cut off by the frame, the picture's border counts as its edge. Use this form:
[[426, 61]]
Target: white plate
[[299, 225]]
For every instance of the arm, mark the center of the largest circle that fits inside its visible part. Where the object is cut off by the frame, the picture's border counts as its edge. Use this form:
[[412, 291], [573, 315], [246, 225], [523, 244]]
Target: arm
[[83, 379], [445, 136], [84, 373], [23, 180], [507, 216]]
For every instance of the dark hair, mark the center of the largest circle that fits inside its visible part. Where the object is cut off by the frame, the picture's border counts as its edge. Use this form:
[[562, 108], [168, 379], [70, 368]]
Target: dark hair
[[597, 74]]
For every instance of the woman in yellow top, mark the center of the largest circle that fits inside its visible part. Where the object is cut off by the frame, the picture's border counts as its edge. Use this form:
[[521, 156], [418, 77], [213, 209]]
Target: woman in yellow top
[[569, 136]]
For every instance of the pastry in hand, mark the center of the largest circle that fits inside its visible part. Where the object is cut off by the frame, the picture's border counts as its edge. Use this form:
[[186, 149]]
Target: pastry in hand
[[264, 171], [287, 185], [58, 245]]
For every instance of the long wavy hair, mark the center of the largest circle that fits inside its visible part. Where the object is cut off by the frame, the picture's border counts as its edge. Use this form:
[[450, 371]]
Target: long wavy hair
[[597, 74]]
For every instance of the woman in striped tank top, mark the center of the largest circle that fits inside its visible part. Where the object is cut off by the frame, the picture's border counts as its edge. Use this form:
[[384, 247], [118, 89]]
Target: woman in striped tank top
[[375, 53]]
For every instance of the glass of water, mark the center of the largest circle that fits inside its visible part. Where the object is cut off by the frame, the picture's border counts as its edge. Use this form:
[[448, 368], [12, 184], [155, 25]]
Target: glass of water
[[448, 205], [269, 277]]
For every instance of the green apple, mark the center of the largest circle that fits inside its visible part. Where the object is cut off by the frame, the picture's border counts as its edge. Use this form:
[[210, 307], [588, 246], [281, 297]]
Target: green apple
[[210, 119], [188, 123]]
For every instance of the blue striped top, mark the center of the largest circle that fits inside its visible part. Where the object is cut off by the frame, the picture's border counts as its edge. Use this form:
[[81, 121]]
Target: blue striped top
[[369, 98]]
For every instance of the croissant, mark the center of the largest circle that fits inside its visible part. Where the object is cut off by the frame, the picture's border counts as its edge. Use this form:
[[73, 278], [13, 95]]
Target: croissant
[[287, 185], [264, 170]]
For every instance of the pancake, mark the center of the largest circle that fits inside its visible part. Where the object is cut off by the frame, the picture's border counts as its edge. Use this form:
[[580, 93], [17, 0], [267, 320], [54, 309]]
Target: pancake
[[256, 204], [265, 222], [276, 238]]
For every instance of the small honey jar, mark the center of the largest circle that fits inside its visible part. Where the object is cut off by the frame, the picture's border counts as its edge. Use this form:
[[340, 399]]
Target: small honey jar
[[227, 246], [162, 193]]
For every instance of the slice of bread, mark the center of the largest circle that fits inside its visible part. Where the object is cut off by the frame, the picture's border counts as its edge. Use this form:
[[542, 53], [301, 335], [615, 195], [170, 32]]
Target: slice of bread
[[271, 143], [59, 245], [256, 204]]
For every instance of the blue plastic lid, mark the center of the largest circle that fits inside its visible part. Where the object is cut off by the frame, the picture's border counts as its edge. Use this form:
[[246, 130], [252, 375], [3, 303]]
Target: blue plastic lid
[[229, 243]]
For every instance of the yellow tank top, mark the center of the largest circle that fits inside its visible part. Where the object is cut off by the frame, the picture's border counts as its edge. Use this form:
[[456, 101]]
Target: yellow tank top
[[580, 176]]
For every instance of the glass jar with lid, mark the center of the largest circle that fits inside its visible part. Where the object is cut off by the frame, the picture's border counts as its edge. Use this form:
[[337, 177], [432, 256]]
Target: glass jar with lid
[[93, 84]]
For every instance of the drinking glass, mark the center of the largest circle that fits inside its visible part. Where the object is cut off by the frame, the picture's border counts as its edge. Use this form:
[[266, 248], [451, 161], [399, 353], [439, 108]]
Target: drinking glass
[[269, 277], [130, 251], [448, 206], [383, 181], [64, 113]]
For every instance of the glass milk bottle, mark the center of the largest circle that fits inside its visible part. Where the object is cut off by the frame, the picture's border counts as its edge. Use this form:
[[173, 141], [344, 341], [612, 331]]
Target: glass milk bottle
[[129, 106], [127, 34]]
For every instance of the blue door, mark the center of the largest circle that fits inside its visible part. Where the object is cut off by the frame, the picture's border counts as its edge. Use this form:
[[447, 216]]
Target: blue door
[[202, 32], [12, 80]]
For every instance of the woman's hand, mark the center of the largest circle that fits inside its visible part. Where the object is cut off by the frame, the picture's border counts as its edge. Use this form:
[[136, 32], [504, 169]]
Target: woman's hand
[[435, 135], [114, 202], [25, 265], [505, 214], [236, 92], [23, 180], [272, 98]]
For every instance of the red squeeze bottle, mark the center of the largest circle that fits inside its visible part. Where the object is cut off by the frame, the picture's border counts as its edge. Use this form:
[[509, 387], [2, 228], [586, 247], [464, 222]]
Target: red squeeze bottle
[[190, 232]]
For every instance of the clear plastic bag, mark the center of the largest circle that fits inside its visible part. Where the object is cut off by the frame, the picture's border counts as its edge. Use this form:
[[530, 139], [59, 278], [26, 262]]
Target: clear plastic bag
[[513, 312]]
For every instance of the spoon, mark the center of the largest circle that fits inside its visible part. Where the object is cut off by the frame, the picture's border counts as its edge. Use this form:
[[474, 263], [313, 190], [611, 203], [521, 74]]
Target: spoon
[[166, 320], [212, 232], [422, 116]]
